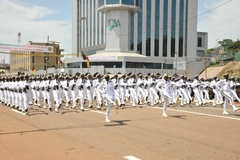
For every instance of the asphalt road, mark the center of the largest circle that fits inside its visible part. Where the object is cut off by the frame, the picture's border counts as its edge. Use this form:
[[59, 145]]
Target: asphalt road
[[189, 133]]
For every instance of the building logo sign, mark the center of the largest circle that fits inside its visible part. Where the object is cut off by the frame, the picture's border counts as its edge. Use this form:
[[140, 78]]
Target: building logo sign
[[113, 23]]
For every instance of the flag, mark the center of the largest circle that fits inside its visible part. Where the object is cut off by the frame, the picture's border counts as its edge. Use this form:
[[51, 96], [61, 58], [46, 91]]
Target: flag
[[84, 56], [33, 70]]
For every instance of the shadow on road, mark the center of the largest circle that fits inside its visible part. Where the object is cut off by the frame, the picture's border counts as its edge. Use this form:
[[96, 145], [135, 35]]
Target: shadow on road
[[117, 123]]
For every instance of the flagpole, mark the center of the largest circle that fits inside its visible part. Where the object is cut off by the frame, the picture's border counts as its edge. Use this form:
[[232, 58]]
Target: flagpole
[[85, 18]]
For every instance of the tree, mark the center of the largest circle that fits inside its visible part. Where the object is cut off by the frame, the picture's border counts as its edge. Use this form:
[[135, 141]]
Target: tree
[[235, 46], [226, 42]]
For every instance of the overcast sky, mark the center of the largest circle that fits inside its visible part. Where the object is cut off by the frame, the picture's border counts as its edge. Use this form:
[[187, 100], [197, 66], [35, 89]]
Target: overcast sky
[[37, 19]]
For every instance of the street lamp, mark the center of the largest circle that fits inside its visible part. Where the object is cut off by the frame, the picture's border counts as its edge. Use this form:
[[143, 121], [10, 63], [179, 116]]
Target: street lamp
[[46, 60], [85, 19], [175, 62]]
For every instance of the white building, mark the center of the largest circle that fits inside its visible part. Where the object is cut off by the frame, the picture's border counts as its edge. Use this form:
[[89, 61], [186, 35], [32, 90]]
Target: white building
[[136, 35]]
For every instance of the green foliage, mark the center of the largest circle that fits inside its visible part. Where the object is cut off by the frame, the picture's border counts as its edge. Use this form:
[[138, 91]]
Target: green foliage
[[230, 44], [225, 42], [211, 50]]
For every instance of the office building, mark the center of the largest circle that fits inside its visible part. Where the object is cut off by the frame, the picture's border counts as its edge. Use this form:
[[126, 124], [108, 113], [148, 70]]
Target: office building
[[161, 33]]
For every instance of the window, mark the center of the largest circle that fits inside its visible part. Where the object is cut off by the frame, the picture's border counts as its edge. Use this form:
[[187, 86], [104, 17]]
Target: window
[[200, 42], [105, 64], [101, 3], [32, 58], [74, 65], [112, 1], [128, 2], [143, 65], [45, 59]]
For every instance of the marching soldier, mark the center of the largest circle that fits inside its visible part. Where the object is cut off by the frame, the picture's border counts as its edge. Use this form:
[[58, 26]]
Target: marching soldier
[[107, 88], [82, 89], [96, 83], [73, 90], [66, 90], [225, 88], [90, 90], [55, 86]]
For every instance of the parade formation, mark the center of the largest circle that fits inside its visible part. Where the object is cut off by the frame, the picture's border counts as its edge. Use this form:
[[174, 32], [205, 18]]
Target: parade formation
[[54, 91]]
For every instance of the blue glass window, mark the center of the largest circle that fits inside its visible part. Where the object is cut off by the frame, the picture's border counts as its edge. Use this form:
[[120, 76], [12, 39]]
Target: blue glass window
[[181, 21], [139, 34], [173, 28], [148, 29], [165, 27], [132, 33], [112, 1], [128, 2], [157, 13], [101, 3]]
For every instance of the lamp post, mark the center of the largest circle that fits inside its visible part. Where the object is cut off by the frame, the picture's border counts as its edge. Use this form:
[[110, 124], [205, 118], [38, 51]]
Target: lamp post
[[175, 62], [46, 60], [85, 19]]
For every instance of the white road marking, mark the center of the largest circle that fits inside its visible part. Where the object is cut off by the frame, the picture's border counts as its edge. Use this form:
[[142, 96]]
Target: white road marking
[[203, 114], [17, 111], [98, 112], [131, 158]]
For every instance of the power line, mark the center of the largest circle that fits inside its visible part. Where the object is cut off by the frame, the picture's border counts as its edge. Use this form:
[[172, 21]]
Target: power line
[[211, 9]]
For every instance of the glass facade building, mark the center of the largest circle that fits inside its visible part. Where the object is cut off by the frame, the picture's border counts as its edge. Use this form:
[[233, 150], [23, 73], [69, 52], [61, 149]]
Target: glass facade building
[[161, 28]]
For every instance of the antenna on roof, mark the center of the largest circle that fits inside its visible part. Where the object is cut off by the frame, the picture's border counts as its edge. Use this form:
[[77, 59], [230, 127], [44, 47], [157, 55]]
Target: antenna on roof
[[19, 38]]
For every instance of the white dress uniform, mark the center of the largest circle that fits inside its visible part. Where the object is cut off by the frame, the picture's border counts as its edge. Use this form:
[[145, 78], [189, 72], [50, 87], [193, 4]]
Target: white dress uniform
[[217, 95], [90, 90], [167, 92], [133, 95], [73, 91], [25, 89], [116, 89], [43, 92], [34, 92], [20, 97], [122, 88], [154, 98], [206, 85], [140, 90], [66, 90], [15, 94], [82, 90], [55, 85], [96, 83], [196, 84], [38, 91], [48, 92], [107, 88], [225, 89], [233, 85], [183, 88]]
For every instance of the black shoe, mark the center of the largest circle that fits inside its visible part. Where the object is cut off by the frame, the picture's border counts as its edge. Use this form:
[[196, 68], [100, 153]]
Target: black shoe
[[90, 106], [99, 108]]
